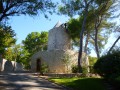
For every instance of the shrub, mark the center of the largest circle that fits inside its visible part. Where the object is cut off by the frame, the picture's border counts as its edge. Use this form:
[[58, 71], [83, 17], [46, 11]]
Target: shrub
[[84, 71], [91, 69], [108, 66], [44, 68], [75, 69], [92, 61]]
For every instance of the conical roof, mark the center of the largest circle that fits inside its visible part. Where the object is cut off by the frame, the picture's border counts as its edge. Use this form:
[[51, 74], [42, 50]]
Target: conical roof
[[58, 24]]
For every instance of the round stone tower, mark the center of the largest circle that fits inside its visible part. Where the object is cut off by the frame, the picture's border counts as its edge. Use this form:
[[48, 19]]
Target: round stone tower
[[58, 38]]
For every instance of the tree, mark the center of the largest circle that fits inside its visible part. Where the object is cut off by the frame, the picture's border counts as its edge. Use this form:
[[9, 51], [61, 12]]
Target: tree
[[77, 7], [82, 8], [33, 43], [100, 13], [6, 38], [36, 41], [19, 54], [25, 7], [118, 38], [74, 27]]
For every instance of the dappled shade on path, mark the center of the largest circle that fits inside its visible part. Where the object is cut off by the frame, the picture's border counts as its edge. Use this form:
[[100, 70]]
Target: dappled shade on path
[[24, 81]]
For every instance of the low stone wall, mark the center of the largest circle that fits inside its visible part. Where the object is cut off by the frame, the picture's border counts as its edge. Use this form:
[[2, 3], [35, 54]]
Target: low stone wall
[[70, 75], [63, 75], [9, 66]]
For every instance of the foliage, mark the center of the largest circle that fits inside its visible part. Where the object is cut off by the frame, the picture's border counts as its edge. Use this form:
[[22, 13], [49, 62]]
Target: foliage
[[36, 41], [6, 38], [79, 7], [108, 66], [92, 60], [25, 7], [84, 71], [19, 54], [74, 69], [81, 83], [44, 68], [66, 61], [75, 25], [82, 8]]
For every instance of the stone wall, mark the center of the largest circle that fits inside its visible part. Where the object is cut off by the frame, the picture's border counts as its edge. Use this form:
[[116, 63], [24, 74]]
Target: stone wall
[[54, 60], [58, 38], [9, 66]]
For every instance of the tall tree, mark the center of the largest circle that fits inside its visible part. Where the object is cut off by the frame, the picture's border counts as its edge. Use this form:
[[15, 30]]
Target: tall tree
[[74, 27], [6, 38], [78, 7], [30, 7], [100, 12], [81, 7], [117, 30], [36, 41]]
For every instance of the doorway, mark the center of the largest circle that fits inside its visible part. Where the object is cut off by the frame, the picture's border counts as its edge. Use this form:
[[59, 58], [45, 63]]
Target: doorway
[[38, 63]]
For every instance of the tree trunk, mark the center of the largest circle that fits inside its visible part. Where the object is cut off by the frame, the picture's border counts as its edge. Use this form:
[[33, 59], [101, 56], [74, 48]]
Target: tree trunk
[[96, 44], [86, 43], [81, 41], [114, 44]]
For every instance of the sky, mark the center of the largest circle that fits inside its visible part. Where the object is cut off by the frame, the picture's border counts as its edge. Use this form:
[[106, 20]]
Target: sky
[[23, 25]]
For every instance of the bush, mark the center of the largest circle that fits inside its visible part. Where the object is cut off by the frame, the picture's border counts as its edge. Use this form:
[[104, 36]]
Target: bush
[[84, 70], [91, 69], [75, 69], [92, 61], [44, 68], [108, 66]]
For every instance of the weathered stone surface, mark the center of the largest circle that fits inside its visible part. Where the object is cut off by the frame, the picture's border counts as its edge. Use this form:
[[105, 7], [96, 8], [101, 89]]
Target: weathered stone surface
[[0, 62], [59, 45], [3, 61], [9, 66], [54, 61], [58, 38], [18, 67]]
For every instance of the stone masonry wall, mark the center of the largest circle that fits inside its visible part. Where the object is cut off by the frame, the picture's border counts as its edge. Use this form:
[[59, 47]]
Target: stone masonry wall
[[58, 39], [54, 60], [8, 66]]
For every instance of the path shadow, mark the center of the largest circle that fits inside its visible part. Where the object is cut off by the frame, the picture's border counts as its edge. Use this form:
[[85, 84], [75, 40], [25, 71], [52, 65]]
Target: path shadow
[[24, 81]]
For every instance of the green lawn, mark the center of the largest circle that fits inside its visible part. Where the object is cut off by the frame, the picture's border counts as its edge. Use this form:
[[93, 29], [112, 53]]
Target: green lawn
[[81, 83]]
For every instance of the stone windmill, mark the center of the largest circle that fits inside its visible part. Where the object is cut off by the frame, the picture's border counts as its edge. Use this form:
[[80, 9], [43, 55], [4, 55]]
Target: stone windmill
[[59, 46]]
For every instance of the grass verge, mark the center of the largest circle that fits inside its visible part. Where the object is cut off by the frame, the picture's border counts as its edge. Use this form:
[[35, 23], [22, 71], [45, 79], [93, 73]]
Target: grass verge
[[81, 83]]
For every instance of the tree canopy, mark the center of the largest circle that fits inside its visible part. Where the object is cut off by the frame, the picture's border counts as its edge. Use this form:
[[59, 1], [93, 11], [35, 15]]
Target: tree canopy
[[82, 8], [25, 7], [6, 38], [36, 41]]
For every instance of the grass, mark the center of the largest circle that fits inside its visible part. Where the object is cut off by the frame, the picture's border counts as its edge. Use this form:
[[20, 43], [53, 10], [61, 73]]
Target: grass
[[81, 83]]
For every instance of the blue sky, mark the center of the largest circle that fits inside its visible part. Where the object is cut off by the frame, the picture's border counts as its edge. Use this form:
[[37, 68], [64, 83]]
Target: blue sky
[[23, 25]]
